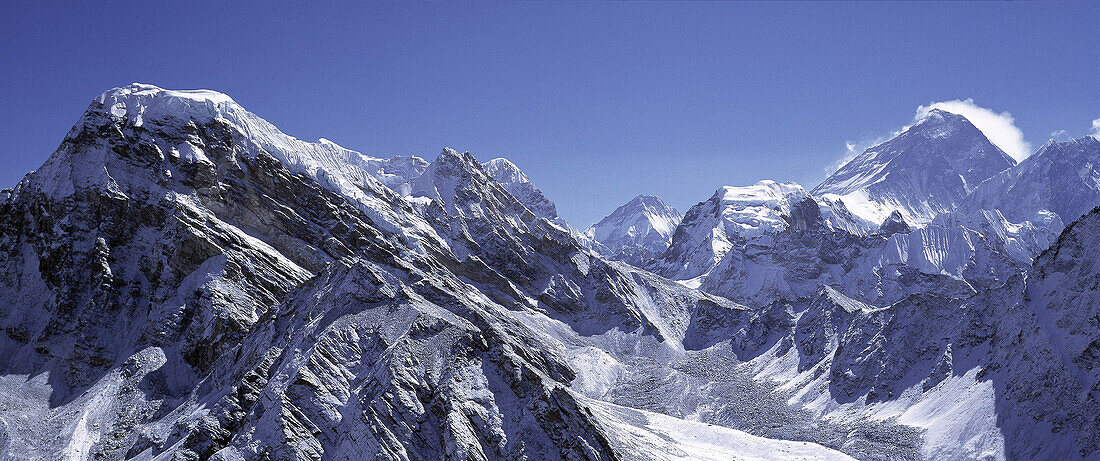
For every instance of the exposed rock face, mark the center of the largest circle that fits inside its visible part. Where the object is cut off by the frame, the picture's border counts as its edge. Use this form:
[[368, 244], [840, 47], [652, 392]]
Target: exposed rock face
[[1059, 331], [789, 245], [731, 216], [894, 224], [924, 171], [186, 281], [183, 281], [761, 243]]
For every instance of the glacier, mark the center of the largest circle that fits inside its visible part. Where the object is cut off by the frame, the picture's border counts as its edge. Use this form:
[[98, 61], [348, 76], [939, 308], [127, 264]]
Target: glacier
[[181, 280]]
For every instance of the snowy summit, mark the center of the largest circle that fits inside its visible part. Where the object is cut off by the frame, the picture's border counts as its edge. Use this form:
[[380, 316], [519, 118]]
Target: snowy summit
[[182, 280]]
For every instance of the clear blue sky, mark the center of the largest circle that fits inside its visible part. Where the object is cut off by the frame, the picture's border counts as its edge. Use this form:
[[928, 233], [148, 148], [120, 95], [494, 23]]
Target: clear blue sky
[[597, 102]]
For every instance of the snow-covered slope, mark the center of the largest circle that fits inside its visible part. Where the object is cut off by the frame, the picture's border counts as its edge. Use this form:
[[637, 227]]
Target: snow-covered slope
[[926, 170], [647, 436], [733, 214], [1061, 178], [637, 231], [517, 183], [181, 280], [880, 268], [738, 218], [177, 283], [396, 172]]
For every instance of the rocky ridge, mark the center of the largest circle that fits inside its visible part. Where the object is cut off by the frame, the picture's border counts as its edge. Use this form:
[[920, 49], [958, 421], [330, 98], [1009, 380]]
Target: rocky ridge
[[185, 281]]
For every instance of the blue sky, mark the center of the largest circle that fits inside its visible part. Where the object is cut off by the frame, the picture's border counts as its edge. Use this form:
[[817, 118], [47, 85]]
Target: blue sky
[[597, 102]]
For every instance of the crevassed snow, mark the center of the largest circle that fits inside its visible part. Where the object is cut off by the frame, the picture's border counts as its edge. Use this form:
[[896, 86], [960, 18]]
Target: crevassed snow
[[752, 211]]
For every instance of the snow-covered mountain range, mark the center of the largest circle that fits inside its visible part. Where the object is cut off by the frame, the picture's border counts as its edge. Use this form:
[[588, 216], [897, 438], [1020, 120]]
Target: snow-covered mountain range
[[181, 280]]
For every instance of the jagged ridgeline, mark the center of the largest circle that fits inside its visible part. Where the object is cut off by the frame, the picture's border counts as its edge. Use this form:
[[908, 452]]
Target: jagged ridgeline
[[181, 280]]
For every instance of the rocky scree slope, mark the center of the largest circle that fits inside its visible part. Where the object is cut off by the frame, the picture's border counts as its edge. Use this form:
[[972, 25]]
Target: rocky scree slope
[[187, 282]]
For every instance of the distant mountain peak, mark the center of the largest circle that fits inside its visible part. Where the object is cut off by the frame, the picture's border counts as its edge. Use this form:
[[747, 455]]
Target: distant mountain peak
[[941, 124], [648, 200], [922, 172], [1060, 177], [649, 205], [894, 224], [504, 170], [944, 116], [638, 230], [732, 215]]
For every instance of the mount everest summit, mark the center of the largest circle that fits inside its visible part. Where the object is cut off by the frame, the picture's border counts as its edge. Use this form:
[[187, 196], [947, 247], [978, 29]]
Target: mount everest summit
[[924, 171], [181, 280]]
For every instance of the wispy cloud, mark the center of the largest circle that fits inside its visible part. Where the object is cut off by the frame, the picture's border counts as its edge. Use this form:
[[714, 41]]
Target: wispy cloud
[[1059, 134], [1096, 128], [1000, 128]]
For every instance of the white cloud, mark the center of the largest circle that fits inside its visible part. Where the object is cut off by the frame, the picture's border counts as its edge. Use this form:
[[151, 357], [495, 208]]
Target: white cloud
[[1096, 128], [1058, 134], [1000, 128]]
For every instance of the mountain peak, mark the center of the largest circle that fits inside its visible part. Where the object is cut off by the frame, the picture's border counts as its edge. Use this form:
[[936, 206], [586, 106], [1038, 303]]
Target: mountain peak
[[940, 115], [139, 101], [1060, 177], [648, 205], [644, 202], [648, 199], [638, 230], [763, 191], [516, 182], [922, 172], [505, 171], [939, 123], [894, 224], [449, 154]]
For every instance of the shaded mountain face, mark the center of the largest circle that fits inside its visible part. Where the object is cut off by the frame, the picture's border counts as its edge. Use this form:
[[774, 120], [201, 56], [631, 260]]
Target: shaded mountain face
[[183, 281], [637, 231], [1060, 178], [926, 170]]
